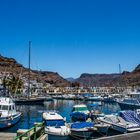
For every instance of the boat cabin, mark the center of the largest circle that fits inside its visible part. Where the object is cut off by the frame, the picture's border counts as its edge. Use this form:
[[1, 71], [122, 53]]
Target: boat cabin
[[7, 107], [80, 108], [135, 95]]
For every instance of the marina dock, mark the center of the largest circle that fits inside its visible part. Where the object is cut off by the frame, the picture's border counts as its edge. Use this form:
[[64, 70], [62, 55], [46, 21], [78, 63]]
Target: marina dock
[[36, 132], [7, 136], [127, 136]]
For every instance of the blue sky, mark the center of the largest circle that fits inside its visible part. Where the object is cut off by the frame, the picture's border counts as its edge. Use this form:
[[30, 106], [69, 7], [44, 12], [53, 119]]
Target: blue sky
[[72, 36]]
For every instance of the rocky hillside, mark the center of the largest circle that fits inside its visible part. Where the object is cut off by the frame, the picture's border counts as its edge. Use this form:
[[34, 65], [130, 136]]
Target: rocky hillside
[[124, 79], [11, 65]]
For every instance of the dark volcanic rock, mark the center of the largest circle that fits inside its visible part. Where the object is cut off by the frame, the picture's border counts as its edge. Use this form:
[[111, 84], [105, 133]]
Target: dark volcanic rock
[[12, 66], [124, 79]]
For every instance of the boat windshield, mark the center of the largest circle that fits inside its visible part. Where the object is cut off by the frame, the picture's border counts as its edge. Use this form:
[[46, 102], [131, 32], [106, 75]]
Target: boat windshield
[[56, 123], [80, 109], [3, 107]]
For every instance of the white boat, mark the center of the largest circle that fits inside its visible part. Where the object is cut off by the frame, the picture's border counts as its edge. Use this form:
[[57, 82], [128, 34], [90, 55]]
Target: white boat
[[81, 108], [120, 124], [8, 114], [55, 124], [131, 102], [94, 98]]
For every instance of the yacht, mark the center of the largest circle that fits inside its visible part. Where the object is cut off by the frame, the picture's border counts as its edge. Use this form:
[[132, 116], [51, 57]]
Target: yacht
[[8, 114]]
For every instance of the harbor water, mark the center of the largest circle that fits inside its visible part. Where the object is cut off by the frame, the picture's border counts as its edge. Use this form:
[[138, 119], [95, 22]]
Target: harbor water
[[33, 113]]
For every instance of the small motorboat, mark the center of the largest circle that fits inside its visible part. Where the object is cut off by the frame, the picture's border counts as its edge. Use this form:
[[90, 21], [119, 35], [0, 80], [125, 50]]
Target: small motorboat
[[102, 127], [8, 114], [82, 130], [79, 113], [126, 121], [131, 102], [56, 125]]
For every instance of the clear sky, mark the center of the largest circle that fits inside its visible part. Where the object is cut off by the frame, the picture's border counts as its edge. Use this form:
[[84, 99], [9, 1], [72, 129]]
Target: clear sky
[[72, 36]]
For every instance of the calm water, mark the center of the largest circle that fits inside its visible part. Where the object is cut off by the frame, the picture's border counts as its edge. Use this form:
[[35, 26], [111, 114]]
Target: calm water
[[32, 113]]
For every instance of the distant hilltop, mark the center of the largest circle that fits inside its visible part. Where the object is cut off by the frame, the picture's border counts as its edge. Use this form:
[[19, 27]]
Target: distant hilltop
[[10, 65], [124, 79]]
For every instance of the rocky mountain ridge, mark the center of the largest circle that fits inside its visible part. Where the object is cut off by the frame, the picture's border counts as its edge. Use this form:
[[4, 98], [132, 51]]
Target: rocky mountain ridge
[[12, 66], [124, 79]]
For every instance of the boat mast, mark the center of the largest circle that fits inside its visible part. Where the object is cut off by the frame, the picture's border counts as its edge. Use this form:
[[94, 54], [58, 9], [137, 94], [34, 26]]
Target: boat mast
[[120, 70], [29, 62]]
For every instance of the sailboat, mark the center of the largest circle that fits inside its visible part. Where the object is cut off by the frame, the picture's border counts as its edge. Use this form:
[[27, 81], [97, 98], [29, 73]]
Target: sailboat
[[30, 100]]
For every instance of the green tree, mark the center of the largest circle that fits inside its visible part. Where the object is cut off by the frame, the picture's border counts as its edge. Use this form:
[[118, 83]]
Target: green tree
[[13, 84]]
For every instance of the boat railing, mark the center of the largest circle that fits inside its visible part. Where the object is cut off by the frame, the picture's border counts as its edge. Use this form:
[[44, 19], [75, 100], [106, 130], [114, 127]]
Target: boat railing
[[35, 133]]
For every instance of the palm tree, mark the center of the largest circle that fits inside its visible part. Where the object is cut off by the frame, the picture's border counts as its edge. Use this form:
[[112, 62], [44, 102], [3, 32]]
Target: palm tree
[[13, 84]]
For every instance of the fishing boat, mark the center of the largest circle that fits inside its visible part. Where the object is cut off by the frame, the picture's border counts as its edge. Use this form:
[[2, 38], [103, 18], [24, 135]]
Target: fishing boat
[[125, 121], [8, 114], [79, 113], [56, 125], [131, 102], [82, 130]]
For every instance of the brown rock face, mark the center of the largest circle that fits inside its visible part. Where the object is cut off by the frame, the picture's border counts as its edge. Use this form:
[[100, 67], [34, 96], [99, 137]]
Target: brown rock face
[[12, 66], [124, 79]]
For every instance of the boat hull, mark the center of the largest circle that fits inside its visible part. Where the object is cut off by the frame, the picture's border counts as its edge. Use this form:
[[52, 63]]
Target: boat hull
[[8, 122], [61, 133], [127, 106], [30, 102], [93, 99], [52, 137], [82, 134], [102, 128]]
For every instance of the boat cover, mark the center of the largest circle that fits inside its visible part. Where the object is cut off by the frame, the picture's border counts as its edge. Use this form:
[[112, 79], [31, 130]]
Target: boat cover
[[79, 115], [130, 116], [56, 123], [93, 105], [80, 125]]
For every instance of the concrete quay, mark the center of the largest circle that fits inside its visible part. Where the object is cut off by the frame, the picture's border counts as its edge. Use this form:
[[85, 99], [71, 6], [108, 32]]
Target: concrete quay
[[7, 136], [127, 136]]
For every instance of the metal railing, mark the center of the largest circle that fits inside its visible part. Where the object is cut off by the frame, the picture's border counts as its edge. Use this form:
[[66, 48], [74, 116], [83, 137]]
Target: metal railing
[[34, 133]]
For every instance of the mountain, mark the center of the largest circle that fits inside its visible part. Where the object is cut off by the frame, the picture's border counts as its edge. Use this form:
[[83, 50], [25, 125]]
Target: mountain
[[12, 66], [70, 79], [124, 79]]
